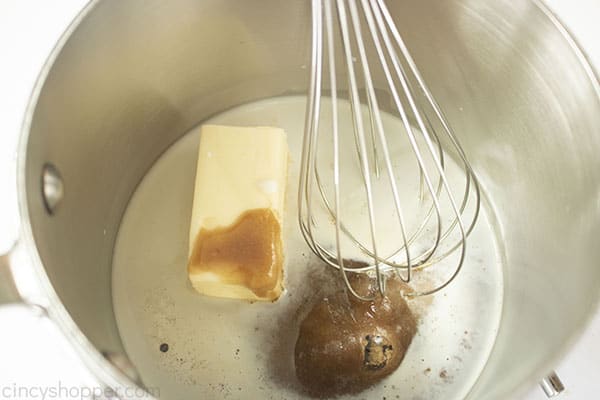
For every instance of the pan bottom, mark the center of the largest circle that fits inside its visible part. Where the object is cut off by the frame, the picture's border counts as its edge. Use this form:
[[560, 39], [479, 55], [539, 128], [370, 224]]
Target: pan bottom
[[188, 346]]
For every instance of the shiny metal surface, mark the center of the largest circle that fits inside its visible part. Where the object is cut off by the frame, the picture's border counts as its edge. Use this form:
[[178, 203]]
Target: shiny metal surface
[[421, 116], [8, 290], [123, 364], [552, 385], [53, 189], [129, 78]]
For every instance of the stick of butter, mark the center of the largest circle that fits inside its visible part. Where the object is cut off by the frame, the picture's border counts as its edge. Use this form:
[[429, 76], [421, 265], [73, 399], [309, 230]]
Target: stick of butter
[[235, 233]]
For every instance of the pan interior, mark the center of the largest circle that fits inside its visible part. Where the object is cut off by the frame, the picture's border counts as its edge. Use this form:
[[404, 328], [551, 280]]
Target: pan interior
[[221, 348]]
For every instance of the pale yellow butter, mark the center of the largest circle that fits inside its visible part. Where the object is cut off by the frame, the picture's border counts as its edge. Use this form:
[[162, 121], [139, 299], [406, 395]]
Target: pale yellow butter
[[235, 244]]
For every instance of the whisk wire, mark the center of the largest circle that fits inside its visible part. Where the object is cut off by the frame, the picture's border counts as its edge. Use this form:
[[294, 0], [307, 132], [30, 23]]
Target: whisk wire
[[400, 73], [311, 125], [374, 111], [424, 130], [336, 152], [358, 126]]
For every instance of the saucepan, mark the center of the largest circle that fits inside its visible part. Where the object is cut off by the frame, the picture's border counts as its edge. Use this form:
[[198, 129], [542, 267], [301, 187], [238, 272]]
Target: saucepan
[[128, 79]]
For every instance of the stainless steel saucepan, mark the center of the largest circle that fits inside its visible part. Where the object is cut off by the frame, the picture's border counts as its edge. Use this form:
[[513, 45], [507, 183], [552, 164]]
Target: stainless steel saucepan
[[129, 78]]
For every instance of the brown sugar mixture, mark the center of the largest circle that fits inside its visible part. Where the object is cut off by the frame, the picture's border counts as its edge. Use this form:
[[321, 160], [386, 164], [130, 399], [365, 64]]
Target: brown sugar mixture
[[248, 252], [346, 345]]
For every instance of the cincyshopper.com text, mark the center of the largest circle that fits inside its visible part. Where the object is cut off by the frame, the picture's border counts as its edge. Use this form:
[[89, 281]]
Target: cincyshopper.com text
[[69, 392]]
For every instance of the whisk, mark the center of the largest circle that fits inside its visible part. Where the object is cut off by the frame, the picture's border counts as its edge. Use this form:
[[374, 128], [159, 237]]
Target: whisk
[[355, 39]]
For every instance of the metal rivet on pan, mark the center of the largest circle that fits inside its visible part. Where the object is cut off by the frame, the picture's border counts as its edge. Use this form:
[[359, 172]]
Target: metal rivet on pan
[[552, 385], [53, 189]]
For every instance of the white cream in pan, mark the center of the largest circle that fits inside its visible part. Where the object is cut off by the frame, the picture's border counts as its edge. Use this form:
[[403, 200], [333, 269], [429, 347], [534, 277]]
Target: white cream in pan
[[224, 348]]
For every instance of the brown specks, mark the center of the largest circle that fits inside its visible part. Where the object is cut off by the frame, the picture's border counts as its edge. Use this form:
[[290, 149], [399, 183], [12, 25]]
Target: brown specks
[[377, 352], [465, 344], [164, 347], [222, 388], [445, 376]]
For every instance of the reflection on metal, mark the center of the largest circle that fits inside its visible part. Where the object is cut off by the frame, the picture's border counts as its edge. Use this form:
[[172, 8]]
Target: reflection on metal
[[123, 364], [552, 385], [8, 289], [53, 189]]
